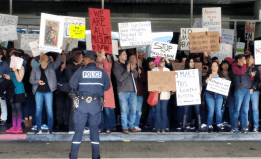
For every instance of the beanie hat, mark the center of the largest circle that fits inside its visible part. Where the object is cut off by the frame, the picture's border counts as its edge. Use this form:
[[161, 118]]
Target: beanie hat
[[157, 60]]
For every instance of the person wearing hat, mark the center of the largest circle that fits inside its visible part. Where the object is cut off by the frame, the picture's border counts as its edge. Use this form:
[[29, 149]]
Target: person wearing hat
[[89, 82]]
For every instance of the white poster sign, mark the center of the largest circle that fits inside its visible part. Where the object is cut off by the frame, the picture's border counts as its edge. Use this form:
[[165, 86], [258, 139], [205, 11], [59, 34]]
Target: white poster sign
[[16, 62], [219, 85], [35, 48], [6, 19], [240, 48], [257, 45], [212, 19], [72, 21], [51, 32], [72, 44], [184, 35], [8, 33], [114, 45], [197, 23], [26, 39], [225, 50], [163, 50], [228, 36], [135, 34], [187, 87]]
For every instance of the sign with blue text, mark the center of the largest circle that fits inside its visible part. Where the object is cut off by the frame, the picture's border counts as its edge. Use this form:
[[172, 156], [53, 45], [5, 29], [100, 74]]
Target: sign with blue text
[[228, 36]]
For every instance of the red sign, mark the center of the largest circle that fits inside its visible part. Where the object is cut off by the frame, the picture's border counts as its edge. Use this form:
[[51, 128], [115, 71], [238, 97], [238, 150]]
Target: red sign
[[100, 25]]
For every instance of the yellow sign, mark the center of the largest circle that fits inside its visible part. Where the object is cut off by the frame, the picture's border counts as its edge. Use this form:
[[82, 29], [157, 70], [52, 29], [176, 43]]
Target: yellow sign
[[77, 32]]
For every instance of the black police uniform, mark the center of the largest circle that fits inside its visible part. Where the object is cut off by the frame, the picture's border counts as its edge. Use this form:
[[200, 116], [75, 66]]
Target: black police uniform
[[90, 82]]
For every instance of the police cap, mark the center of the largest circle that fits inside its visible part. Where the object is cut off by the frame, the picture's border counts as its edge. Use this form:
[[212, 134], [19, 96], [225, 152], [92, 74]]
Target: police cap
[[91, 54]]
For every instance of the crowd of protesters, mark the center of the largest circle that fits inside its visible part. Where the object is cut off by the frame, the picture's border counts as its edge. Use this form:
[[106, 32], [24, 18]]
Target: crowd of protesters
[[44, 81]]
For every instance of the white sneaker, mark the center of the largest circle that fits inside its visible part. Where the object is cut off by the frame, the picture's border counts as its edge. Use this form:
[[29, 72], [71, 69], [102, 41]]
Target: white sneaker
[[71, 132], [86, 130], [139, 129], [203, 125], [34, 128]]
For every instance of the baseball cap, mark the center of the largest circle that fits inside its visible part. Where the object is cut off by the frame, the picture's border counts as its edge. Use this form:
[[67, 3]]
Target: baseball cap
[[91, 54]]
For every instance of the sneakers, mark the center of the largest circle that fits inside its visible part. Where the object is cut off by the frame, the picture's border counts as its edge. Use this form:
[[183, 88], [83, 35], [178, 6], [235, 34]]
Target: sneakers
[[34, 128], [44, 127], [244, 132], [38, 132], [71, 132], [12, 130], [133, 130], [158, 132], [235, 131], [179, 128], [256, 129], [167, 130], [3, 122], [125, 131], [137, 128], [18, 131], [220, 128], [50, 131], [163, 132], [86, 130], [210, 129]]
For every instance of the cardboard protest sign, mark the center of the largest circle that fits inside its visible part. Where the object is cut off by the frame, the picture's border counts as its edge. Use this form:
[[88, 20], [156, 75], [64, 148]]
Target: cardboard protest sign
[[212, 19], [197, 23], [257, 50], [204, 41], [68, 21], [228, 36], [51, 32], [34, 45], [184, 34], [198, 65], [163, 50], [178, 66], [72, 44], [188, 87], [77, 32], [250, 30], [8, 33], [225, 50], [161, 81], [26, 39], [100, 25], [16, 62], [219, 85], [240, 48], [135, 34], [6, 19]]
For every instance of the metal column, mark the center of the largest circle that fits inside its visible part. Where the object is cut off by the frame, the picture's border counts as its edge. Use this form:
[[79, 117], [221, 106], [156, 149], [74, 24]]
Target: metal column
[[11, 5], [191, 13], [102, 4]]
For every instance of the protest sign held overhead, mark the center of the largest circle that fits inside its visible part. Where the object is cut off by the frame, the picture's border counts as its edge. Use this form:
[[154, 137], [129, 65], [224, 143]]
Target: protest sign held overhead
[[178, 66], [228, 36], [204, 41], [161, 81], [77, 32], [187, 87], [8, 33], [212, 19], [240, 48], [68, 21], [114, 45], [6, 19], [51, 32], [26, 39], [135, 34], [219, 85], [257, 50], [197, 23], [184, 35], [34, 45], [163, 50], [100, 25], [16, 62], [250, 30], [225, 50]]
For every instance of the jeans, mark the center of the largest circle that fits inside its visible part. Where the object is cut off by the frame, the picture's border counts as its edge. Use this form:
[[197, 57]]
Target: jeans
[[254, 97], [151, 118], [3, 110], [242, 98], [180, 114], [214, 105], [63, 108], [108, 120], [231, 107], [29, 107], [48, 98], [160, 113], [128, 105], [138, 110], [196, 108]]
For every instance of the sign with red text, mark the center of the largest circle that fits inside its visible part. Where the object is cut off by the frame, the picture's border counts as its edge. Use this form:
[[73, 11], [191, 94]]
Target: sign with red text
[[219, 85], [212, 19], [257, 51], [250, 30], [100, 25]]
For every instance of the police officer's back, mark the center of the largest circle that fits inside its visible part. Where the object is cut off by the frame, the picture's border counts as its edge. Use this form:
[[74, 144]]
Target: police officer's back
[[90, 82]]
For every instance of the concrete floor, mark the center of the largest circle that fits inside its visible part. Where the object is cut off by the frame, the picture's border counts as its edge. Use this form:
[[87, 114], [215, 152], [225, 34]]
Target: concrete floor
[[22, 149]]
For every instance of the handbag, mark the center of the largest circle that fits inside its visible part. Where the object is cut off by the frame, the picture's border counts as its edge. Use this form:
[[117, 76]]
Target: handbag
[[153, 98]]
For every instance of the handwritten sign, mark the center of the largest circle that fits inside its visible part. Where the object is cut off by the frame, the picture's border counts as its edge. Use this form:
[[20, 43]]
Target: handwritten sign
[[77, 32], [135, 34], [72, 21], [250, 30], [100, 25], [72, 44], [187, 87], [219, 85], [225, 50], [203, 41], [6, 19], [240, 48], [178, 66], [161, 81], [197, 23], [8, 33], [212, 19], [114, 45], [228, 36], [184, 34], [16, 62], [163, 50], [257, 46], [35, 48], [26, 39]]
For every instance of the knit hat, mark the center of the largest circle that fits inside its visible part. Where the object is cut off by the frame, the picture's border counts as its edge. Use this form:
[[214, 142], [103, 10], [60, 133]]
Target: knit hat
[[157, 60], [229, 60]]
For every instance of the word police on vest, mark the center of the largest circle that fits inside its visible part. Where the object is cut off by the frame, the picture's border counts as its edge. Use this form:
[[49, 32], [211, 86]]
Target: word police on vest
[[91, 74]]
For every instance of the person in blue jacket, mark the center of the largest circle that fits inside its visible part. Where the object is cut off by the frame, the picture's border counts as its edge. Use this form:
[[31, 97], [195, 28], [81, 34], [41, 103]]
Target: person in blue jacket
[[89, 82]]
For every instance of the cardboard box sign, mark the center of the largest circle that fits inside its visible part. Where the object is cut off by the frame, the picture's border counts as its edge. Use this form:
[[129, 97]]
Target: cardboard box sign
[[161, 81], [181, 66]]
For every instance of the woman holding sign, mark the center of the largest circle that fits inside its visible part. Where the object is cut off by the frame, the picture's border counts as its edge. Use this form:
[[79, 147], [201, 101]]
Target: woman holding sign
[[214, 100]]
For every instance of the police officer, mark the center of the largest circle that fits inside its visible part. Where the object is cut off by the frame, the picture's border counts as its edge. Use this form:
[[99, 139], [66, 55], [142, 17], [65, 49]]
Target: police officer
[[90, 82]]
